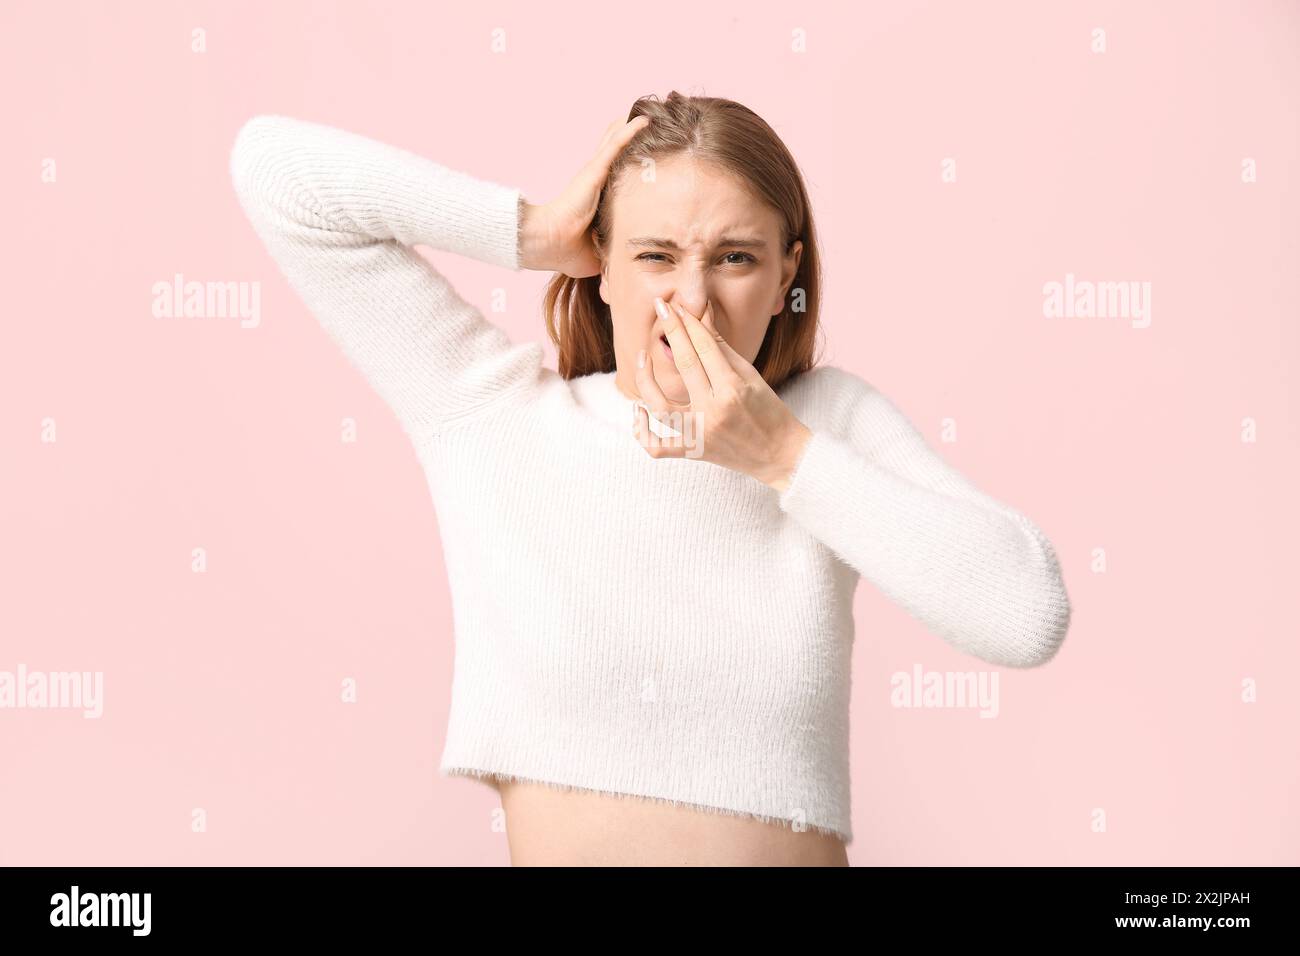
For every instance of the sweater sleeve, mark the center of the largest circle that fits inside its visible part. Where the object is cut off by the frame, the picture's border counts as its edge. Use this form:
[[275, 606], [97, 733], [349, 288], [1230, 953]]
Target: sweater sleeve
[[338, 213], [973, 570]]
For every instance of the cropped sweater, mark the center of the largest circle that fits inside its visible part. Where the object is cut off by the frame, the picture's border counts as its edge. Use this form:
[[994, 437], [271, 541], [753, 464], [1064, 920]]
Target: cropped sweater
[[667, 628]]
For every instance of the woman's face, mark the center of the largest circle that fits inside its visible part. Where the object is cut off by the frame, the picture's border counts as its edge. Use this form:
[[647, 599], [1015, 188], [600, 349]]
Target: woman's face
[[692, 235]]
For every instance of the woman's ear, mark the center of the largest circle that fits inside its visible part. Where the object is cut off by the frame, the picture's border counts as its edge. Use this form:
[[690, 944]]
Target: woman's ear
[[789, 269], [604, 268]]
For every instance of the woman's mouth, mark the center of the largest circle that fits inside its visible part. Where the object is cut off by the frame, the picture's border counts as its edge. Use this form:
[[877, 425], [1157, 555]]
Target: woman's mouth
[[668, 349]]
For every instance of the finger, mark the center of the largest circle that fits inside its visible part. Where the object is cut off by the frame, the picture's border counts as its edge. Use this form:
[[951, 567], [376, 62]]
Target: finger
[[657, 445], [591, 177], [648, 386], [641, 425], [625, 131], [714, 360], [739, 363], [617, 126], [616, 137], [685, 357]]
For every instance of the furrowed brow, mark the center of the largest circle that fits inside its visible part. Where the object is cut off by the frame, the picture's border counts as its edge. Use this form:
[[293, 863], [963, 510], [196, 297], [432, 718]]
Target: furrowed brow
[[740, 242]]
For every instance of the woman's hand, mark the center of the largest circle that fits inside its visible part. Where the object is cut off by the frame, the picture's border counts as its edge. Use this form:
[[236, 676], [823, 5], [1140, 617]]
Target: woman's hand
[[735, 419], [556, 236]]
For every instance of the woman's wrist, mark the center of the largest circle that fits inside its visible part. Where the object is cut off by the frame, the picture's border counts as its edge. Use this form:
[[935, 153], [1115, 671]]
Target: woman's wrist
[[789, 454], [533, 236]]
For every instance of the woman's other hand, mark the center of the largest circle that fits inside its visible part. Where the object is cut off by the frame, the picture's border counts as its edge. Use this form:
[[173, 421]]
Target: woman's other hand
[[556, 236]]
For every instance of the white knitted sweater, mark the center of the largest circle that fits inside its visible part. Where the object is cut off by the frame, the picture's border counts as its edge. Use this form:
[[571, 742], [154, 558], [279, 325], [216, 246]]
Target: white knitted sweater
[[665, 628]]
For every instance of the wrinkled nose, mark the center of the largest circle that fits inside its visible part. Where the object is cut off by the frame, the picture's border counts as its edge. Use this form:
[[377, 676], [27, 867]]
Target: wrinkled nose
[[692, 294]]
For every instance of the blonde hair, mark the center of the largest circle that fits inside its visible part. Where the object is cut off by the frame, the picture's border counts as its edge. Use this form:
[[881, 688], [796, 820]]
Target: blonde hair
[[736, 140]]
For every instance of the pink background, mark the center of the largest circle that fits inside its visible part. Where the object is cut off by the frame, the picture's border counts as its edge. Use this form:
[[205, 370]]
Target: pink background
[[222, 689]]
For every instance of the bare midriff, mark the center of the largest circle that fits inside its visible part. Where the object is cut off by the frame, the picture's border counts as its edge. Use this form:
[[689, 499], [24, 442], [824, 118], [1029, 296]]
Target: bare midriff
[[547, 826]]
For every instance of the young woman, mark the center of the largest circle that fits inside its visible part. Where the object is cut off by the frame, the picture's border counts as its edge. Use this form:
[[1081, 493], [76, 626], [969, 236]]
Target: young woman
[[652, 552]]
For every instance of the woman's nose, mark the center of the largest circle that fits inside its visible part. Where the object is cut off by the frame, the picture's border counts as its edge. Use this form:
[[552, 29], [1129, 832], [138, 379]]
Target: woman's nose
[[692, 297], [689, 288], [693, 304]]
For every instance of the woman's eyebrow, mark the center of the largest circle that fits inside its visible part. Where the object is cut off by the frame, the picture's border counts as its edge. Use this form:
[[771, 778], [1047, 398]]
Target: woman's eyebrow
[[744, 242]]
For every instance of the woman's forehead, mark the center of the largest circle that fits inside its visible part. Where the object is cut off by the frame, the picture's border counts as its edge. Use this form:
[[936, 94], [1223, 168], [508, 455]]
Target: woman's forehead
[[688, 203]]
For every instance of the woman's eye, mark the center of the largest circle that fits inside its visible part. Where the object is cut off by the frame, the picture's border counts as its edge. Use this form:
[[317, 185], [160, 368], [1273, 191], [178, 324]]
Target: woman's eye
[[745, 260]]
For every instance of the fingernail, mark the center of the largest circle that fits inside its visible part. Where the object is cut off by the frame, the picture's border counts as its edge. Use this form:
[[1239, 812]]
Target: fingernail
[[661, 308], [640, 359]]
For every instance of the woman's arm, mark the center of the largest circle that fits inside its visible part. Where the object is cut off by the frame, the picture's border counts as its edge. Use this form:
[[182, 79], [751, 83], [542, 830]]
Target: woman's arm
[[338, 213], [973, 570]]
